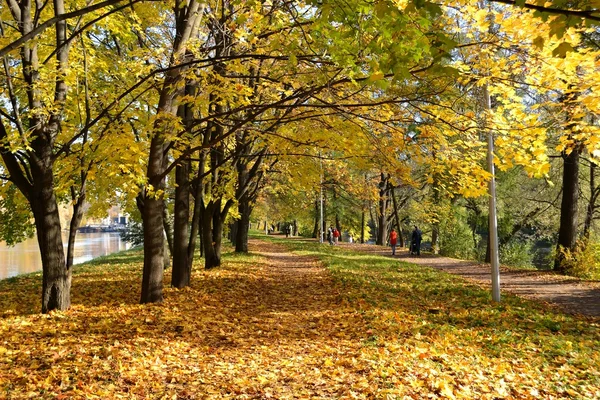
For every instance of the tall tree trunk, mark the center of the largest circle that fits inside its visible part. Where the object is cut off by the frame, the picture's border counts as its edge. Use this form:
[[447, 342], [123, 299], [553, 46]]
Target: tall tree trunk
[[373, 220], [383, 201], [152, 277], [435, 226], [362, 225], [591, 208], [315, 232], [181, 266], [567, 233], [73, 226], [243, 225], [196, 228], [211, 259], [218, 223], [168, 254], [338, 225], [56, 278], [397, 217], [212, 232], [324, 227], [170, 93]]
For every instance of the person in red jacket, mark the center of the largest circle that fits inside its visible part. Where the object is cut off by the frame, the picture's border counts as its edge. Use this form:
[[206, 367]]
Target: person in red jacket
[[393, 241], [336, 236]]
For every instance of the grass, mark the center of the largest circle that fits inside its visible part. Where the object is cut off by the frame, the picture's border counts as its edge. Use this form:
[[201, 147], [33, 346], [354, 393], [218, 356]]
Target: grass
[[521, 348], [278, 326]]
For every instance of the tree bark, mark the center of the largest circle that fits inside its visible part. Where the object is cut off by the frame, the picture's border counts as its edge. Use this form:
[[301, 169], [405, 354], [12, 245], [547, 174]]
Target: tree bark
[[591, 208], [567, 233], [315, 233], [168, 254], [362, 225], [383, 200], [73, 226], [181, 267], [56, 277], [397, 217], [152, 277], [211, 258], [243, 225]]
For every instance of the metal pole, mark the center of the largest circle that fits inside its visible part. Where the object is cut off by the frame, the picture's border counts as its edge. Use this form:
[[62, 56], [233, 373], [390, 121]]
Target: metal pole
[[321, 199], [493, 221]]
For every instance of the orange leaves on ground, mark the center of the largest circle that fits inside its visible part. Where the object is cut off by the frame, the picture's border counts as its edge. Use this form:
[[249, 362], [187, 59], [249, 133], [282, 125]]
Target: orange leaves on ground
[[277, 325]]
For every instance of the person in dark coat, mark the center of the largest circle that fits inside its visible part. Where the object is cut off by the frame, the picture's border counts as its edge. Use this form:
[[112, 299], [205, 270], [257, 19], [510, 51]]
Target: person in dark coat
[[416, 241]]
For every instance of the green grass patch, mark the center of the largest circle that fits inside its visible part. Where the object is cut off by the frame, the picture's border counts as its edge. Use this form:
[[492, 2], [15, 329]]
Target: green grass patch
[[456, 327]]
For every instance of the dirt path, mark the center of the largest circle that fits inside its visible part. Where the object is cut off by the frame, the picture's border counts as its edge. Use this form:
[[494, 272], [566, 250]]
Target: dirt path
[[567, 293]]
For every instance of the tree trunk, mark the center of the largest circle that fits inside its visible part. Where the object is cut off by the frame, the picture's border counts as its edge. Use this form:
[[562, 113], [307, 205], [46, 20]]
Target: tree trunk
[[382, 226], [73, 226], [196, 228], [243, 225], [152, 277], [567, 233], [362, 225], [56, 278], [373, 220], [295, 228], [218, 223], [591, 208], [435, 227], [168, 254], [181, 266], [397, 217], [211, 258], [315, 233], [170, 92]]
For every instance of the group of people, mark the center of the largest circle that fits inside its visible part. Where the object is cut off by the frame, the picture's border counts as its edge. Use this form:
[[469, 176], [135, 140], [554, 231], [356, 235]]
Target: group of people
[[415, 242], [333, 235]]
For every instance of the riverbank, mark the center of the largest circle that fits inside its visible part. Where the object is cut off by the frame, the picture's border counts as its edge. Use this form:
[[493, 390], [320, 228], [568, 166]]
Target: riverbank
[[276, 323], [25, 257]]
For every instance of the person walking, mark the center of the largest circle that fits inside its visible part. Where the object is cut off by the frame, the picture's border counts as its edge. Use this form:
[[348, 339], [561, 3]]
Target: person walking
[[416, 241], [330, 235], [393, 240], [336, 236]]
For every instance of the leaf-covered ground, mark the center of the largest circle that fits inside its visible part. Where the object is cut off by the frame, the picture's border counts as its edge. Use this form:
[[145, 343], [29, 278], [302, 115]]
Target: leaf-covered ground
[[276, 324]]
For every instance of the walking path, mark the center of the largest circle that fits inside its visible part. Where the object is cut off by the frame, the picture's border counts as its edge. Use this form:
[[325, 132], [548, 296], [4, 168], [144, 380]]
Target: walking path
[[567, 293]]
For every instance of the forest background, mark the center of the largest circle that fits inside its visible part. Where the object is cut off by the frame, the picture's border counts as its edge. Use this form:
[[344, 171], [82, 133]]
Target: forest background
[[200, 117]]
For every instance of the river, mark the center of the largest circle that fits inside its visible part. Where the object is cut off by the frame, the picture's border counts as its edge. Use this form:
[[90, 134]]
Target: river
[[25, 257]]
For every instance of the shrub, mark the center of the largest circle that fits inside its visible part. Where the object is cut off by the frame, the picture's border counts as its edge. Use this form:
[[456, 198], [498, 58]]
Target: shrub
[[456, 239], [584, 261], [517, 254]]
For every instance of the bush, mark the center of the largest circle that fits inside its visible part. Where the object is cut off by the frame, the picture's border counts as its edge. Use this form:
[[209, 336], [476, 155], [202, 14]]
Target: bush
[[517, 254], [456, 240], [584, 261]]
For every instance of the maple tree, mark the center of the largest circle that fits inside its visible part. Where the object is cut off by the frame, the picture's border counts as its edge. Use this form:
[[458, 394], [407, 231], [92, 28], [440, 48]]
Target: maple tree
[[39, 126]]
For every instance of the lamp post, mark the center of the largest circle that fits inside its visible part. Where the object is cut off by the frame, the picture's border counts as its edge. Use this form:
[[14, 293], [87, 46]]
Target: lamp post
[[493, 219], [321, 200]]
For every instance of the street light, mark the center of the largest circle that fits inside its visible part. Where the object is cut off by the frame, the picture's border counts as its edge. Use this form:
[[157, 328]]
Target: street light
[[493, 219]]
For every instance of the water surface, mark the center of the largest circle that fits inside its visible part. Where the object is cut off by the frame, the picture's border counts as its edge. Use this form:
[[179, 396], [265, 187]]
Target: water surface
[[25, 257]]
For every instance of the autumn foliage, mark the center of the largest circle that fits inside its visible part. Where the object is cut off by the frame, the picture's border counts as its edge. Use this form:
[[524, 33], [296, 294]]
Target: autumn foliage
[[277, 324]]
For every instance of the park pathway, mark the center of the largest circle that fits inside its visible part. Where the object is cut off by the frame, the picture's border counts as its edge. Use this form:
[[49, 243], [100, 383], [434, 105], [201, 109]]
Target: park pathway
[[567, 293]]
